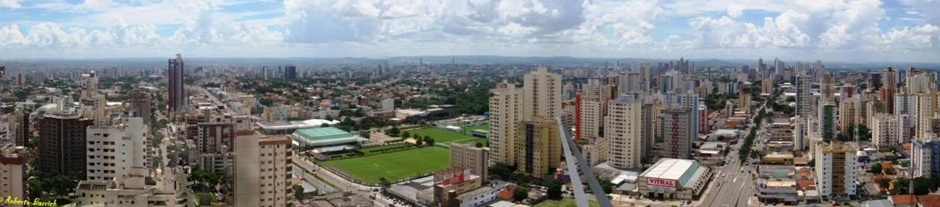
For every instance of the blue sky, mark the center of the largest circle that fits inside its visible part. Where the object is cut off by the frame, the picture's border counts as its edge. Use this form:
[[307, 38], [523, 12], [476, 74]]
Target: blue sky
[[830, 30]]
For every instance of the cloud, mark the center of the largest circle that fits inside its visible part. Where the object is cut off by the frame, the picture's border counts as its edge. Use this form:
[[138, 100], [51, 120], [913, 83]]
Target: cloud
[[735, 10], [13, 4]]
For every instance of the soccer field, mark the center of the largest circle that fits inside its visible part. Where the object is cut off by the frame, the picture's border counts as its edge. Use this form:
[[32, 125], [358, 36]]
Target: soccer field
[[445, 137], [394, 166]]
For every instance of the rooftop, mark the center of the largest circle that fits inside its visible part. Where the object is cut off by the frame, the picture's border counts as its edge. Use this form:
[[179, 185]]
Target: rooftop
[[672, 169]]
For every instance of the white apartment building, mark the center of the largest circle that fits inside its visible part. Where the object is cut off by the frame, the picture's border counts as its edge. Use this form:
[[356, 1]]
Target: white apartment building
[[624, 132], [885, 130], [262, 170], [12, 173], [131, 190], [388, 104], [505, 113], [113, 150], [835, 170]]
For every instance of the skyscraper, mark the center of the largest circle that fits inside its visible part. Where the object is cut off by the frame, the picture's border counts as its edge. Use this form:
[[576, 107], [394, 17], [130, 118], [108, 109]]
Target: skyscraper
[[177, 91], [290, 72], [505, 113]]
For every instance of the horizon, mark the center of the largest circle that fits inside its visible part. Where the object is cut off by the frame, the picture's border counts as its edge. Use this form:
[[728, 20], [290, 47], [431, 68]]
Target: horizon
[[833, 31]]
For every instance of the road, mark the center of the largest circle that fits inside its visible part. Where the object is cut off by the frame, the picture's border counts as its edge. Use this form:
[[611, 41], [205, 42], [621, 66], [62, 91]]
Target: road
[[733, 184]]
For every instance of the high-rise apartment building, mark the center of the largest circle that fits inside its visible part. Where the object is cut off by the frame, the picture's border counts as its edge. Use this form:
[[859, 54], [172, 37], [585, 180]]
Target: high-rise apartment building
[[62, 143], [835, 169], [140, 105], [625, 132], [805, 102], [114, 150], [213, 143], [13, 174], [505, 113], [676, 130], [542, 95], [827, 121], [590, 115], [469, 157], [538, 147], [18, 124], [89, 85], [176, 88], [262, 170], [885, 130], [847, 115], [925, 158]]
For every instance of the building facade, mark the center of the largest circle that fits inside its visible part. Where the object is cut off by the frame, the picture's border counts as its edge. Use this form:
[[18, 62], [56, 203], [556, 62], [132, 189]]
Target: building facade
[[467, 156], [505, 113], [625, 132], [835, 170], [538, 147], [62, 143], [262, 170], [113, 150], [176, 72]]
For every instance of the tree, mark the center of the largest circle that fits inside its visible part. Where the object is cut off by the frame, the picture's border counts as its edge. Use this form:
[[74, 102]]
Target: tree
[[520, 194], [876, 168], [384, 182], [298, 192], [479, 144], [419, 142], [884, 183], [554, 189], [429, 141], [365, 134], [921, 186], [606, 185]]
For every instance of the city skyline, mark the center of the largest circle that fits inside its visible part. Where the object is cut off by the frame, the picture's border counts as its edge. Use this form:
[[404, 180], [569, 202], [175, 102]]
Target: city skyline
[[850, 30]]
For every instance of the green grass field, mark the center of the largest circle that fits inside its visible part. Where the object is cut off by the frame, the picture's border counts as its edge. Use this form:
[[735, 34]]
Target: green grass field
[[470, 128], [394, 166], [445, 137]]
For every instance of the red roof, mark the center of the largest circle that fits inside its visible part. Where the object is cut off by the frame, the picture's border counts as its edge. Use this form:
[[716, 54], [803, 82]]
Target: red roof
[[903, 200], [506, 195], [929, 200]]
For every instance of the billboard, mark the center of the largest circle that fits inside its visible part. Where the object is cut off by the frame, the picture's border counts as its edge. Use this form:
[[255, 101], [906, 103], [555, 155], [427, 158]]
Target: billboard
[[660, 182]]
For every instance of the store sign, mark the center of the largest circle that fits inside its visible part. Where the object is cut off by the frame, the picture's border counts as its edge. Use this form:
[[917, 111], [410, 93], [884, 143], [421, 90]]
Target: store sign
[[661, 182]]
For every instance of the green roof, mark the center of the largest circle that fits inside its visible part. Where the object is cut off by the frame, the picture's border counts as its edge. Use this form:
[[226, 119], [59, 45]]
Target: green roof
[[323, 136]]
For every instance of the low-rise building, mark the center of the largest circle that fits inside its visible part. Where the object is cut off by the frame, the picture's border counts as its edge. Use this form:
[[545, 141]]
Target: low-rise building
[[673, 179]]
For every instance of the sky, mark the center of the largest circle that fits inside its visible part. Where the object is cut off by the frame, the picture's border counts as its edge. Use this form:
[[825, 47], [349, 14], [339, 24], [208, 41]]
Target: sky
[[829, 30]]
